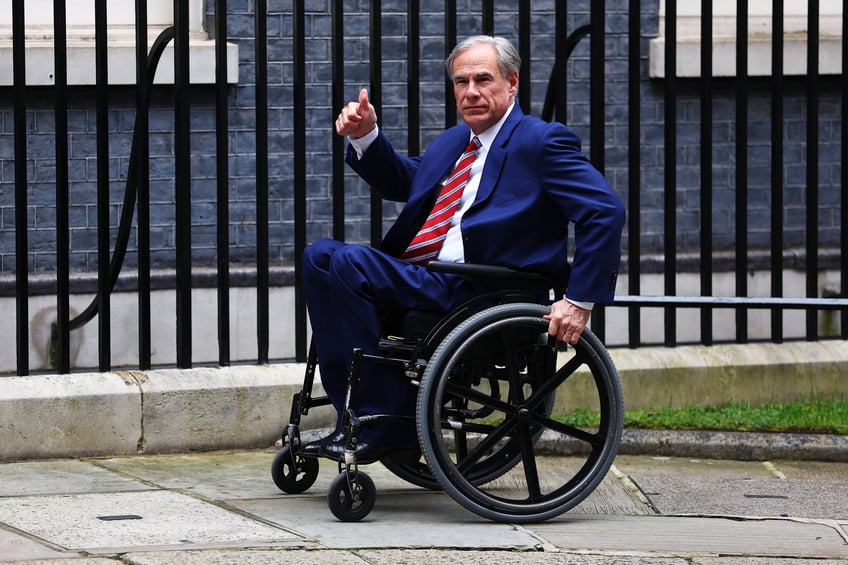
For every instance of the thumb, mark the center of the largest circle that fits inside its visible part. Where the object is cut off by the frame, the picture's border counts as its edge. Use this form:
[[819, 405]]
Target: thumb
[[363, 101]]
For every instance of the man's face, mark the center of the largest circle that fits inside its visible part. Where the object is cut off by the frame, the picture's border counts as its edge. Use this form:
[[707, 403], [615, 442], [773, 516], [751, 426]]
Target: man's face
[[482, 94]]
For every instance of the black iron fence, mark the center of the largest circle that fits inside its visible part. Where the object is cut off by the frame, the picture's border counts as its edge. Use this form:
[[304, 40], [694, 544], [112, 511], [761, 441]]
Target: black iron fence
[[593, 75]]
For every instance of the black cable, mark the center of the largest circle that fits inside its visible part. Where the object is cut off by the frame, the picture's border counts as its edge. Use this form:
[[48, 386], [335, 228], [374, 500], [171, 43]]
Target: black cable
[[131, 190]]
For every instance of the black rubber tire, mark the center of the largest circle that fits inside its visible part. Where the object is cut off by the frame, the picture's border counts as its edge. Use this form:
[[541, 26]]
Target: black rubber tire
[[342, 502], [293, 474]]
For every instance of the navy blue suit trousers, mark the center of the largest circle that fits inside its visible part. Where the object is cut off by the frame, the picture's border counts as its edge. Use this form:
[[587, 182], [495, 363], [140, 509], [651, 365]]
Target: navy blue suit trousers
[[348, 289]]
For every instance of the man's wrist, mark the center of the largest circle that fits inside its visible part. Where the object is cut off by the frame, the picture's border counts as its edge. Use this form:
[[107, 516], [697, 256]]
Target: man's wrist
[[361, 144], [581, 303]]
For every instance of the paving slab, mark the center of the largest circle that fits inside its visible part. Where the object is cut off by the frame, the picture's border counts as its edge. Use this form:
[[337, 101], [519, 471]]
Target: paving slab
[[214, 475], [116, 522], [813, 470], [411, 519], [15, 547], [666, 535], [677, 486], [61, 476]]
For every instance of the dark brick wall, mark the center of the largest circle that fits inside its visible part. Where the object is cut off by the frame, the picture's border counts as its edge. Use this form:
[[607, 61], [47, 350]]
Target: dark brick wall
[[319, 117]]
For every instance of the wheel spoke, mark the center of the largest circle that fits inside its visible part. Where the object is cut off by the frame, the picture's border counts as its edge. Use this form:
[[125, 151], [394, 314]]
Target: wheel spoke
[[549, 386], [480, 398], [486, 444], [565, 429], [528, 456]]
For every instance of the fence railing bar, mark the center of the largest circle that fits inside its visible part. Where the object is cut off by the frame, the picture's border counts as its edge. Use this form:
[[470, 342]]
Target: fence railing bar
[[741, 166], [63, 239], [812, 203], [21, 201], [222, 169], [706, 165], [488, 17], [597, 80], [670, 169], [104, 316], [182, 183], [844, 165], [733, 302], [262, 236], [413, 95], [777, 84], [338, 100], [597, 113], [299, 154], [634, 159], [376, 67], [524, 90], [142, 144], [450, 43], [558, 84]]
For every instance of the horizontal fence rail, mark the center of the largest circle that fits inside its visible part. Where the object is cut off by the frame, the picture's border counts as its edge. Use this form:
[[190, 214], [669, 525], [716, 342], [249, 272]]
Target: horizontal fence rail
[[220, 184]]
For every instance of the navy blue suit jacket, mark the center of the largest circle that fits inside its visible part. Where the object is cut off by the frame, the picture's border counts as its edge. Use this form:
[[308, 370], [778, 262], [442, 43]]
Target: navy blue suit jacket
[[535, 182]]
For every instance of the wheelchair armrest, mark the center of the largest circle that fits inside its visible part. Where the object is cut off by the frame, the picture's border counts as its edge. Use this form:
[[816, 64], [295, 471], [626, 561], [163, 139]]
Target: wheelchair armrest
[[488, 271]]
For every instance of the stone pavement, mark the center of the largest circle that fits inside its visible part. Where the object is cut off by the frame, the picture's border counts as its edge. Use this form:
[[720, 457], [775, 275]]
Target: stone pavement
[[222, 507]]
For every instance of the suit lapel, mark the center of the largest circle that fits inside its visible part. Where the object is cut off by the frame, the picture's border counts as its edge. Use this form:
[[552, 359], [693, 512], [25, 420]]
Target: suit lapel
[[497, 156], [443, 157]]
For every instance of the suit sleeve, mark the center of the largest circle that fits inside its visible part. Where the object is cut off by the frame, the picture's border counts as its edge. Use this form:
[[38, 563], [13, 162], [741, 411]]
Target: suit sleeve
[[592, 206], [384, 169]]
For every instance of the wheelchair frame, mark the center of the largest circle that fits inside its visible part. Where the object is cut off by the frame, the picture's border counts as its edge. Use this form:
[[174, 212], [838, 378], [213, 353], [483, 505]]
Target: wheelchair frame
[[488, 376]]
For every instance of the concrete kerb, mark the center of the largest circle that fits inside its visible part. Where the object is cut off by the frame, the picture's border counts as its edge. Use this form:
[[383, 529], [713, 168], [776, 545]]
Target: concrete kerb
[[159, 411], [170, 410]]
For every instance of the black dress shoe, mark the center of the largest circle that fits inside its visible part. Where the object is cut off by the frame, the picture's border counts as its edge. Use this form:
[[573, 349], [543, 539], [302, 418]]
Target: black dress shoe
[[365, 452], [334, 449], [313, 448]]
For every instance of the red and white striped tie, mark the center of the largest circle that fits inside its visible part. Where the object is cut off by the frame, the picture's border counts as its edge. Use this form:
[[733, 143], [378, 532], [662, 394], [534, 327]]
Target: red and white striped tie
[[426, 245]]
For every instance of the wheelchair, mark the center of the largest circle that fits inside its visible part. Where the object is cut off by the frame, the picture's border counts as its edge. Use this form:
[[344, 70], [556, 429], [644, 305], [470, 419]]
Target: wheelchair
[[491, 385]]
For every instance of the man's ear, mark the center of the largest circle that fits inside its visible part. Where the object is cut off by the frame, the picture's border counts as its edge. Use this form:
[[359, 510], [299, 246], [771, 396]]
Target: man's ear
[[513, 82]]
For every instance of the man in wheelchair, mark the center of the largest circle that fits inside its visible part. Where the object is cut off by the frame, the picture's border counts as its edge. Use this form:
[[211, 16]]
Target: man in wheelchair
[[500, 189]]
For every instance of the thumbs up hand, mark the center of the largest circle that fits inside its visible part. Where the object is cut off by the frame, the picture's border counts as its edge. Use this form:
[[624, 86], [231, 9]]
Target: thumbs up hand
[[357, 118]]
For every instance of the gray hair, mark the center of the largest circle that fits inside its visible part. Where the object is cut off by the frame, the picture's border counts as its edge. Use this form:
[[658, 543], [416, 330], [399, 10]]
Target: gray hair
[[508, 58]]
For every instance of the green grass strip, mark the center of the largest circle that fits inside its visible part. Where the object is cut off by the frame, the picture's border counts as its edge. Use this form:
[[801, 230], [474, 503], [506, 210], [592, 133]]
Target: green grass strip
[[816, 416]]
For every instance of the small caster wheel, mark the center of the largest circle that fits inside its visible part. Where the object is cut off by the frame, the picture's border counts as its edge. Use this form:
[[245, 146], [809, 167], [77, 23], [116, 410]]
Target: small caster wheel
[[293, 474], [351, 500]]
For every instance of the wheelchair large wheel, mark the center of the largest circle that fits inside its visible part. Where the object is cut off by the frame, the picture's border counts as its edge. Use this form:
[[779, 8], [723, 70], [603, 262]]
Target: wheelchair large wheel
[[464, 421]]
